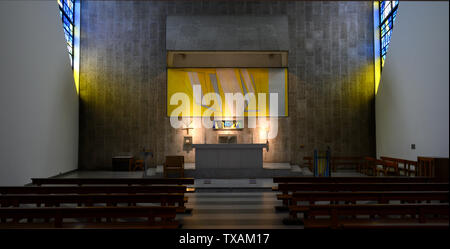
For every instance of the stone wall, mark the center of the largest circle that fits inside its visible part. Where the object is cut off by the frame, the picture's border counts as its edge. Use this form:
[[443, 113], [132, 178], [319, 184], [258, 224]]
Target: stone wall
[[123, 79]]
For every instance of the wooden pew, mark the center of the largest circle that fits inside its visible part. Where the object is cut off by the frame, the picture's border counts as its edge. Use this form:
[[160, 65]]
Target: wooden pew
[[369, 179], [93, 189], [353, 197], [112, 181], [309, 162], [56, 217], [345, 161], [57, 200], [378, 215], [390, 186], [287, 189], [116, 181], [32, 190], [408, 167]]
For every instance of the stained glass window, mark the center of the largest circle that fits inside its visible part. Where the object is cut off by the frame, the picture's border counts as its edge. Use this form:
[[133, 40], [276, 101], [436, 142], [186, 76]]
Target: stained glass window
[[66, 11], [388, 13]]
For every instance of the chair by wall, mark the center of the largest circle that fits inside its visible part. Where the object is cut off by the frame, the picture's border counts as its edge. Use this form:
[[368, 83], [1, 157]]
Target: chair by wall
[[174, 164], [433, 167], [425, 166]]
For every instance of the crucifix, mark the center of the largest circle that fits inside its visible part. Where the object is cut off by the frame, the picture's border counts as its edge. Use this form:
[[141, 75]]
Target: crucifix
[[187, 126], [187, 129]]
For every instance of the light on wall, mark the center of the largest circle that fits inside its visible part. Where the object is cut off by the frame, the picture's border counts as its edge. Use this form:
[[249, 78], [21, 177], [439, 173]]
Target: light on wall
[[264, 130]]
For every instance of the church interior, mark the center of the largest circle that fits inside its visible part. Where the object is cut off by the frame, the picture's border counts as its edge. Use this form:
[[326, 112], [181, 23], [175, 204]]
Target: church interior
[[243, 114]]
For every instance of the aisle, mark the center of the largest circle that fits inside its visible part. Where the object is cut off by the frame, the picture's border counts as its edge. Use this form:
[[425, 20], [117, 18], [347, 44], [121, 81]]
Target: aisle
[[233, 210]]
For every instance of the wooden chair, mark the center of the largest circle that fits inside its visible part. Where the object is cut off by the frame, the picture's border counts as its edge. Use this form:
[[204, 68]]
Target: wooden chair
[[369, 166], [138, 164], [345, 161], [388, 168], [425, 166], [141, 159], [407, 167], [174, 164], [309, 162], [410, 167]]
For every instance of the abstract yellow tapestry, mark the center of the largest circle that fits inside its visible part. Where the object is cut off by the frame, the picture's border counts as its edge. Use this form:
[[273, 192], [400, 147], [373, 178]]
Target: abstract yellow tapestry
[[216, 85]]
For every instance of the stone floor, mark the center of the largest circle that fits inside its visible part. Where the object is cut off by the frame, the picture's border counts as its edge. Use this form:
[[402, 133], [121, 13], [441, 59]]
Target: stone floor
[[268, 170], [201, 183], [237, 210]]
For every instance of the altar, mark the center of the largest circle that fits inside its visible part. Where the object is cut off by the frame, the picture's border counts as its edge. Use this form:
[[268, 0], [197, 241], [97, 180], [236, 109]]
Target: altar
[[229, 156]]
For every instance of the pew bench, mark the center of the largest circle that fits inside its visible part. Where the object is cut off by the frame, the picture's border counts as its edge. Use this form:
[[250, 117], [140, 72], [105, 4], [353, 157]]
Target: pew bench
[[105, 190], [353, 198], [93, 217], [287, 189], [57, 200], [112, 181], [358, 179], [94, 189], [376, 215]]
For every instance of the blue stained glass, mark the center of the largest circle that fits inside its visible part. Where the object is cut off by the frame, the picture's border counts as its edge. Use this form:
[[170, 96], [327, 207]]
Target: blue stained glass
[[385, 9], [68, 36], [388, 14], [394, 3], [69, 3], [67, 24], [66, 12]]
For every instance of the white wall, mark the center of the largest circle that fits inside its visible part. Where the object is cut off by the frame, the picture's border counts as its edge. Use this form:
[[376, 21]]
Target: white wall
[[38, 98], [412, 103]]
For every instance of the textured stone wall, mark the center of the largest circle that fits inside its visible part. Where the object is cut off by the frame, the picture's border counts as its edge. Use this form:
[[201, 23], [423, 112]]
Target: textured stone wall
[[227, 32], [123, 79]]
